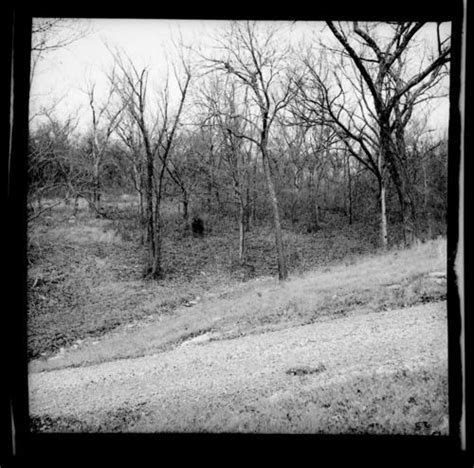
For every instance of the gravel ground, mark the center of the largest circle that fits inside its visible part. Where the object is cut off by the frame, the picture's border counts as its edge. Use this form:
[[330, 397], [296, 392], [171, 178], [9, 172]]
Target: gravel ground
[[236, 385]]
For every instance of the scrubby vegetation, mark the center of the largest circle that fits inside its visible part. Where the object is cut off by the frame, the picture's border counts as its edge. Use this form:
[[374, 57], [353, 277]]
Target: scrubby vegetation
[[262, 185], [85, 277]]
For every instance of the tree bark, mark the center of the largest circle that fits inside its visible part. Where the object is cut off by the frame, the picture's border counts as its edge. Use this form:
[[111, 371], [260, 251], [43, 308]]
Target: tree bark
[[247, 205], [150, 238], [96, 189], [349, 188], [141, 216], [387, 146], [383, 216], [281, 260], [398, 101], [185, 202], [241, 231], [210, 180], [157, 270], [253, 215]]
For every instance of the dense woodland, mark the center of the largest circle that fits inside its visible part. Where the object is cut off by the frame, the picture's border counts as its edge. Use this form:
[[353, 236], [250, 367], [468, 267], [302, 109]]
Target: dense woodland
[[256, 132]]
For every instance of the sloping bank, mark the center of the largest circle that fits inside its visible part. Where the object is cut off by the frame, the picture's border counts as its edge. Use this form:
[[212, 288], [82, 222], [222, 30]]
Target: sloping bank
[[367, 372]]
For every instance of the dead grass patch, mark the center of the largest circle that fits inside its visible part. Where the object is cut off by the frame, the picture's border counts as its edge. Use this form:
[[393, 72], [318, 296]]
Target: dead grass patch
[[85, 280]]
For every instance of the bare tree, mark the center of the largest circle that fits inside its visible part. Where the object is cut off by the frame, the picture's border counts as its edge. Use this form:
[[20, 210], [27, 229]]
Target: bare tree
[[185, 166], [132, 159], [51, 34], [304, 146], [254, 56], [320, 104], [104, 120], [395, 88], [229, 112], [158, 136], [50, 171]]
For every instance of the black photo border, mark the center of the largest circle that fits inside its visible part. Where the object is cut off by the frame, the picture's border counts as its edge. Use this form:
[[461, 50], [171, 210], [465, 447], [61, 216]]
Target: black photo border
[[19, 445]]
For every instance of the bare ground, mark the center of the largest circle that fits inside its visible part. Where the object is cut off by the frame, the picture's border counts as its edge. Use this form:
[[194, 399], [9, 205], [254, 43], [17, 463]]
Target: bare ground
[[358, 373]]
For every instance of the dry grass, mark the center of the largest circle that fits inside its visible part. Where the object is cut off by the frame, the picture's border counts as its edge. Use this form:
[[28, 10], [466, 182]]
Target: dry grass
[[405, 402], [85, 285], [85, 281], [377, 282]]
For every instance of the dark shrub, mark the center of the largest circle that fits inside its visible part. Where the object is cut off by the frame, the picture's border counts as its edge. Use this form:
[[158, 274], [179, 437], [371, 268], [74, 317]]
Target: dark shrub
[[197, 226]]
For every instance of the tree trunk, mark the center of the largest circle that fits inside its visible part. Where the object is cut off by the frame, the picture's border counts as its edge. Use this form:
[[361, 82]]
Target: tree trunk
[[383, 216], [281, 258], [241, 230], [313, 207], [185, 202], [210, 180], [382, 202], [425, 191], [316, 224], [254, 194], [141, 216], [401, 185], [76, 205], [96, 189], [409, 226], [247, 205], [157, 270], [349, 188], [150, 224], [141, 209]]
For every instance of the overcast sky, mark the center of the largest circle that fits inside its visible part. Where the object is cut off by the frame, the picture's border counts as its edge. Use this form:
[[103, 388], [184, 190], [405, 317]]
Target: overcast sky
[[63, 73]]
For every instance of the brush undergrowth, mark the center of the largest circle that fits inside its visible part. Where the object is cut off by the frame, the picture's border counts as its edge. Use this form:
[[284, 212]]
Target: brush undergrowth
[[84, 278]]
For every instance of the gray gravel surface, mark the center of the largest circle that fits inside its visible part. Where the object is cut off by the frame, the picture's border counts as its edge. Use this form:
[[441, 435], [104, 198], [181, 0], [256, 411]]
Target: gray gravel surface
[[222, 384]]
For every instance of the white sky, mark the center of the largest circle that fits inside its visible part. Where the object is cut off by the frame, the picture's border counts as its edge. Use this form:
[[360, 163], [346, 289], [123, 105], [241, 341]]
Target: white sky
[[63, 73]]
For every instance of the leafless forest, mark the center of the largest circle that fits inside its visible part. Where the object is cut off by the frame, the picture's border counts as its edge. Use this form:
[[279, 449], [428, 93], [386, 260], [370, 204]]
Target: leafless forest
[[263, 152]]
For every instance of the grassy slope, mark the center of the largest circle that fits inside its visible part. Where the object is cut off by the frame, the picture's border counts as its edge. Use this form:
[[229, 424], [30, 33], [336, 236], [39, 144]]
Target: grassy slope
[[145, 317], [88, 284], [404, 402]]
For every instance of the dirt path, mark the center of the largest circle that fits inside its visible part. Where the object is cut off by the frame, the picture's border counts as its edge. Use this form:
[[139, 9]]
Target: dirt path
[[236, 384]]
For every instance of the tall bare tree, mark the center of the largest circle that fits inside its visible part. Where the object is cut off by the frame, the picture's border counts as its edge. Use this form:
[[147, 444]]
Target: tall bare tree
[[50, 171], [132, 158], [395, 87], [229, 112], [323, 101], [104, 120], [158, 136], [252, 54]]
